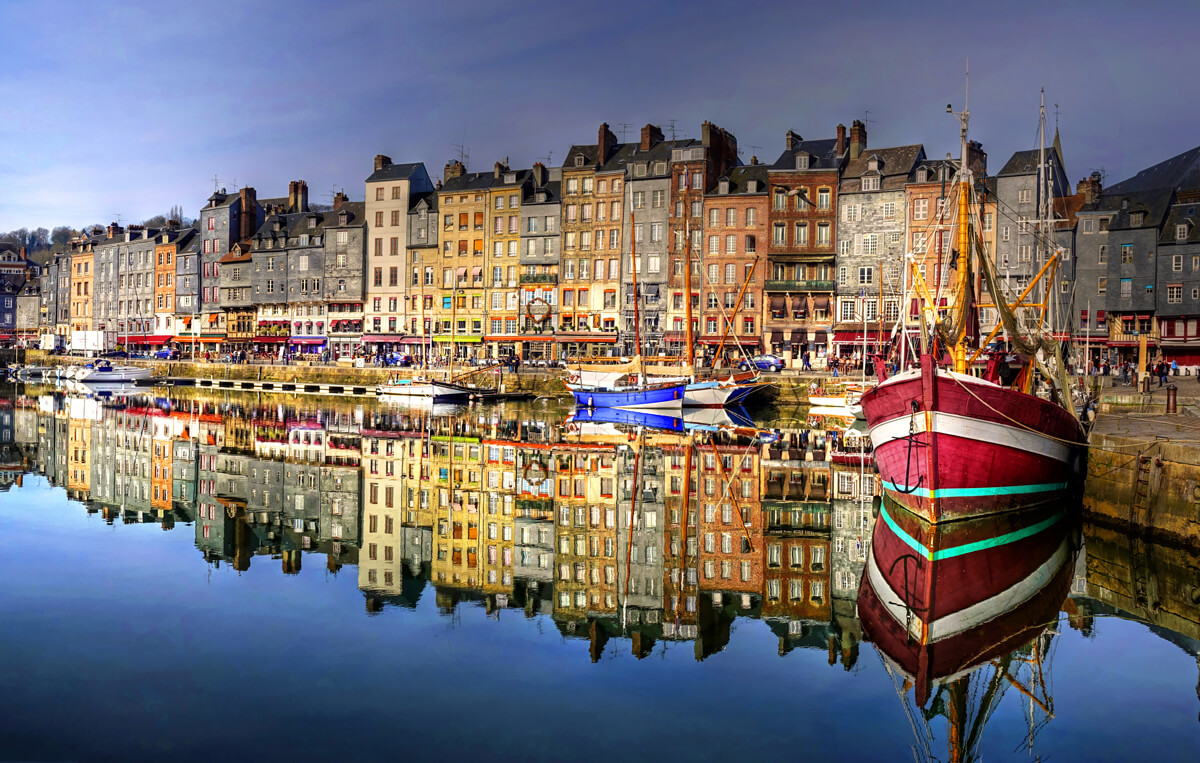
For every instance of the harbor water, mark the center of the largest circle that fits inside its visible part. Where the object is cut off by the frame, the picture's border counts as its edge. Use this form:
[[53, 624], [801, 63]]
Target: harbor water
[[225, 575]]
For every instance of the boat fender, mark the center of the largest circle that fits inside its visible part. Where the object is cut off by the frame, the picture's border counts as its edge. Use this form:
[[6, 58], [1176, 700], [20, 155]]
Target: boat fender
[[590, 404]]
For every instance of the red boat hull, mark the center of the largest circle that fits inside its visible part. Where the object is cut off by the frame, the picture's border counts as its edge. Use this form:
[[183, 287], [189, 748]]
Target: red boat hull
[[949, 446]]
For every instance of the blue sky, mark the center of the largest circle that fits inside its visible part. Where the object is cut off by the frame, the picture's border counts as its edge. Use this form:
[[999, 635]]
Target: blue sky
[[128, 108]]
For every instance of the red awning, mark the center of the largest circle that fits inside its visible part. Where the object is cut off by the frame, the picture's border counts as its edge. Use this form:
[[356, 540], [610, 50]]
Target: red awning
[[1100, 315], [197, 339], [387, 338], [270, 339], [844, 337], [1143, 317], [306, 340], [586, 338]]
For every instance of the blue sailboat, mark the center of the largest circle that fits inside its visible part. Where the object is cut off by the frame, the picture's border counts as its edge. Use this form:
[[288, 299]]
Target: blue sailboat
[[643, 396]]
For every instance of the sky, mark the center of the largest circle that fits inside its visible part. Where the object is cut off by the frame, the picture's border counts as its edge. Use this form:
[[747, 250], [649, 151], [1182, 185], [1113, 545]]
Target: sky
[[127, 108]]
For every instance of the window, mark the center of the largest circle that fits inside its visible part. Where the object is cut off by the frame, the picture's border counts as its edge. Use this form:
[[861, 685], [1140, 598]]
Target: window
[[823, 198], [1023, 253], [659, 199], [870, 183], [1103, 257], [1137, 218], [1005, 233], [1181, 232], [639, 199], [1024, 196], [1177, 263], [731, 244], [779, 234], [1126, 253], [846, 309], [866, 276], [801, 234], [870, 244], [1174, 294], [1126, 287], [1102, 285], [823, 234], [920, 209]]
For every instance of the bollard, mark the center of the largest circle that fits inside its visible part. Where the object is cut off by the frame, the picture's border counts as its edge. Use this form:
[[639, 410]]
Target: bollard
[[1171, 392], [1146, 384]]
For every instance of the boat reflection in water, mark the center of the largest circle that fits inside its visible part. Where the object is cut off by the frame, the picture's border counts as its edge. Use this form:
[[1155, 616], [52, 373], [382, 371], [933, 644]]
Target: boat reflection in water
[[963, 611]]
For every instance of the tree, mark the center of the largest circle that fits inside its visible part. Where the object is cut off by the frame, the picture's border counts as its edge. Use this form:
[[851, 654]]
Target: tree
[[60, 238], [158, 221]]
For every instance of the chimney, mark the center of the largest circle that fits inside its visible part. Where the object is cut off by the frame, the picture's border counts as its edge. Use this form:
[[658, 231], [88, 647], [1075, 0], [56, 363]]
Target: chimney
[[858, 139], [438, 185], [172, 225], [113, 230], [976, 159], [453, 169], [1090, 187], [382, 161], [499, 169], [722, 148], [249, 213], [841, 139], [606, 143], [539, 175], [339, 199], [792, 140], [292, 196], [651, 134], [754, 161], [302, 195]]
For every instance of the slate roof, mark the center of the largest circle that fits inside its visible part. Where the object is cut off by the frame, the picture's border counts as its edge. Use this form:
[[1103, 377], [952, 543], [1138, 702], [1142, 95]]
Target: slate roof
[[402, 171], [552, 189], [1181, 172], [221, 199], [1154, 204], [896, 165], [1181, 214], [469, 181], [1066, 210], [357, 210], [659, 152], [823, 152], [739, 178], [1026, 162], [414, 200]]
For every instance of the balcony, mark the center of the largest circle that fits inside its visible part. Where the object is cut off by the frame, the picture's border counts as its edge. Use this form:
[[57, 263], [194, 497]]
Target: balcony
[[799, 285], [539, 278]]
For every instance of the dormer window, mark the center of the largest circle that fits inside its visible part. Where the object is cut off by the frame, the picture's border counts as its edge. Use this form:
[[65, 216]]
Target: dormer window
[[870, 183], [540, 197], [639, 170], [1181, 232], [922, 175], [801, 161], [1136, 218], [579, 160], [873, 164], [312, 223], [723, 187], [751, 186], [344, 217], [660, 168]]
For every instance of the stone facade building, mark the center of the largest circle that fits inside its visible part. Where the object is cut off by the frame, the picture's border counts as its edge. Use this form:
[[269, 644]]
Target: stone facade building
[[647, 229], [539, 259], [1178, 259], [345, 261], [502, 260], [459, 311]]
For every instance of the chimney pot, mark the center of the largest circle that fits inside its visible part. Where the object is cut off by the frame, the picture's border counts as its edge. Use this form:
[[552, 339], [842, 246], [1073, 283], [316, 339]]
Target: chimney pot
[[858, 139], [651, 134], [792, 140], [841, 139], [381, 161]]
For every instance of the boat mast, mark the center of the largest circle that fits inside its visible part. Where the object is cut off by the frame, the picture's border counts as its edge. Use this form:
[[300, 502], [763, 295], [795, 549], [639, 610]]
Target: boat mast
[[959, 351], [637, 320], [689, 350]]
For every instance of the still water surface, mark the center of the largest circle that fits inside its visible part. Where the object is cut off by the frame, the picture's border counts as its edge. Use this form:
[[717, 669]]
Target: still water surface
[[243, 579]]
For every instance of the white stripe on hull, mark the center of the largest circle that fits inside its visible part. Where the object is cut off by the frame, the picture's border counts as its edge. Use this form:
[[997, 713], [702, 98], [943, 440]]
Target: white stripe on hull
[[973, 616], [991, 432]]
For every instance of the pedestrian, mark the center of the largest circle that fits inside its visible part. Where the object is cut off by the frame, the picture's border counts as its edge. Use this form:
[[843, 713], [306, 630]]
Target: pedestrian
[[1174, 368], [833, 365], [807, 363]]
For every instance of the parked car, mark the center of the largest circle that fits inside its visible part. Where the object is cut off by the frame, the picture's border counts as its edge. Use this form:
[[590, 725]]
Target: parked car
[[763, 363], [166, 354], [114, 354]]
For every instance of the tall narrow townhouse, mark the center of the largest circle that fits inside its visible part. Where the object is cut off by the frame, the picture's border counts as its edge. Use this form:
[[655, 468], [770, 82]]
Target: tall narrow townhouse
[[589, 276], [459, 310], [680, 585], [456, 465], [798, 304], [226, 219], [502, 289], [269, 276], [695, 167], [305, 284], [108, 264], [541, 214], [735, 213], [167, 246], [730, 518], [389, 188], [237, 296], [645, 228], [134, 316], [83, 277], [1178, 307], [585, 495], [498, 510], [870, 240], [1132, 301], [640, 532], [345, 282], [424, 269], [383, 509]]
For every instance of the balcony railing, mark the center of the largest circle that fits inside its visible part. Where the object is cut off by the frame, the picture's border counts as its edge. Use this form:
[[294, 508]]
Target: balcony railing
[[800, 285], [539, 278]]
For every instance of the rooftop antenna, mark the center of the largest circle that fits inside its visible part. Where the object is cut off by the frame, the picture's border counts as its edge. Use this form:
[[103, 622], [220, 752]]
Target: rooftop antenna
[[216, 183], [464, 153], [671, 127], [548, 159], [117, 217], [624, 126], [1056, 112], [867, 118]]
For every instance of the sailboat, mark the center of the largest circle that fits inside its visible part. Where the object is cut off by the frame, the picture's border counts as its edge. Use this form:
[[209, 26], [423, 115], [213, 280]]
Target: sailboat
[[950, 445], [962, 611], [415, 389]]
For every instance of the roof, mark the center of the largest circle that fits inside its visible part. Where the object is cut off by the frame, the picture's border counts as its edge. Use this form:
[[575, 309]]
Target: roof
[[1154, 204], [1066, 210], [469, 181], [395, 172], [356, 214], [428, 197], [1026, 162], [823, 155], [1181, 214], [739, 178], [220, 199], [1181, 172], [899, 160]]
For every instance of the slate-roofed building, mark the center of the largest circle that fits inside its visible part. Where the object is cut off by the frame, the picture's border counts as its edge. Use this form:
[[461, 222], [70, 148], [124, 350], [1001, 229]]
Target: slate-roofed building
[[1019, 198], [422, 261], [541, 213], [345, 285], [305, 281], [168, 244], [1090, 260], [502, 266], [1131, 299], [872, 199], [134, 318], [269, 276], [225, 220], [646, 228], [798, 313], [1178, 261]]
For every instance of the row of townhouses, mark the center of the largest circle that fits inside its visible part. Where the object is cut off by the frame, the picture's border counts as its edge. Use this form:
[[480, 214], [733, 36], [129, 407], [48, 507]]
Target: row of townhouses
[[802, 255]]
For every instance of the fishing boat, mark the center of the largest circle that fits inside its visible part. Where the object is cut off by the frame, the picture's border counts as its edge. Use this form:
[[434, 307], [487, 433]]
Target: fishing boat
[[103, 372], [416, 389], [655, 396], [951, 445], [962, 611]]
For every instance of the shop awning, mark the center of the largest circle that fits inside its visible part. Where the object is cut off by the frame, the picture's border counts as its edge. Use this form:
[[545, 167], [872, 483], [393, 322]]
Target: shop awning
[[673, 336], [270, 339], [586, 338], [462, 272], [820, 337], [213, 318], [1143, 317], [459, 339], [799, 336], [374, 338], [820, 303], [731, 342], [412, 340], [776, 337], [651, 290], [846, 337], [477, 271], [306, 340], [188, 339]]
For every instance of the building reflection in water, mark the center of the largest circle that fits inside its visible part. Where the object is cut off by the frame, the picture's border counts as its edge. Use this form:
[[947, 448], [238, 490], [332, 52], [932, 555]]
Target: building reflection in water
[[627, 536]]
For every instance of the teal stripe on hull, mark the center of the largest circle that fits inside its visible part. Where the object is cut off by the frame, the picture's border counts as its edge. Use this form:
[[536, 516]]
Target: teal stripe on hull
[[975, 492], [949, 553]]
